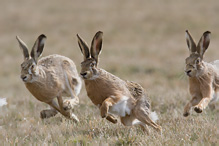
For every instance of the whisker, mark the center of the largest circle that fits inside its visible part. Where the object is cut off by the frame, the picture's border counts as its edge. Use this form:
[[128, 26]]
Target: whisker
[[182, 76]]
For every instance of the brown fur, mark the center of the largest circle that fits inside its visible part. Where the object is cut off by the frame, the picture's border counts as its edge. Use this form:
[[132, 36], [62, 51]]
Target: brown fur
[[203, 76], [51, 77], [110, 93], [102, 87], [135, 89]]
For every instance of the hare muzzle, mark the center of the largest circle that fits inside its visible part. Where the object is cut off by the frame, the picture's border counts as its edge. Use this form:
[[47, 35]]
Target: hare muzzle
[[24, 78], [188, 73], [84, 75]]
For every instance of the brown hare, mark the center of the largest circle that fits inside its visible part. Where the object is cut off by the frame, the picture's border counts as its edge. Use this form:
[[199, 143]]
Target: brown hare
[[111, 94], [49, 78], [203, 76]]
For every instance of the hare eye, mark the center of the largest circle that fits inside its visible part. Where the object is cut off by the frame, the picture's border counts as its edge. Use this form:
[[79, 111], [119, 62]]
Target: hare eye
[[197, 61], [92, 65], [32, 66]]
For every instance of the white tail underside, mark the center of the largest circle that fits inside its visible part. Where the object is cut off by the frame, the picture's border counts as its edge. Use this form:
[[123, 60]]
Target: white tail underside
[[154, 116]]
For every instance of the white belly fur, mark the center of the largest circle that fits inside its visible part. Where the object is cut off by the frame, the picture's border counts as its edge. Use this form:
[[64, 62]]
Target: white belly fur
[[215, 97], [121, 108]]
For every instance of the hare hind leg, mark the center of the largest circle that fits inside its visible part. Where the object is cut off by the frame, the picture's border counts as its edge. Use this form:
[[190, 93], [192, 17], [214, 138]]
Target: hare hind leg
[[143, 116], [48, 113], [213, 102], [131, 120]]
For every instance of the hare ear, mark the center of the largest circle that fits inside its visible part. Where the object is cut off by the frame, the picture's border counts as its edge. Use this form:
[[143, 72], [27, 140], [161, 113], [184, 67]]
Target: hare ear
[[38, 47], [84, 48], [190, 42], [96, 45], [203, 43], [23, 48]]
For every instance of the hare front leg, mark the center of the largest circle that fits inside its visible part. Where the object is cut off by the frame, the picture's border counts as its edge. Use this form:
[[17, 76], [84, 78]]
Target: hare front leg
[[54, 105], [206, 94], [61, 110], [69, 104], [104, 108], [202, 104], [111, 118], [194, 101], [66, 113]]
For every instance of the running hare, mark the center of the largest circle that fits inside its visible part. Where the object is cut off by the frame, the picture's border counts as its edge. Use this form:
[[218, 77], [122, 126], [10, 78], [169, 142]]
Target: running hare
[[203, 76], [50, 77], [111, 94]]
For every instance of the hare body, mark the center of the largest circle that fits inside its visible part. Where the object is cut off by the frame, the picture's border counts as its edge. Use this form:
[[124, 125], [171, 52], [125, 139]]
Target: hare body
[[49, 78], [112, 87], [111, 94], [53, 71], [203, 76]]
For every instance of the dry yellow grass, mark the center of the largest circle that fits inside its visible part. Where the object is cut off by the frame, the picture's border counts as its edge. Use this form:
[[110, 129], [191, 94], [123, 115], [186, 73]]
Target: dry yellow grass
[[143, 42]]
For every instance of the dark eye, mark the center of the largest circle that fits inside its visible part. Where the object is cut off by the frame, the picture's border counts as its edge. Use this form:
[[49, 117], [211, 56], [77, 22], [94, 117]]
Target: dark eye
[[32, 66], [92, 65], [197, 61]]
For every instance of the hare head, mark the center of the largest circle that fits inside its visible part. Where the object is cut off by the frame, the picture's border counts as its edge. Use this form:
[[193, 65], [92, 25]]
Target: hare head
[[194, 63], [29, 68], [89, 70]]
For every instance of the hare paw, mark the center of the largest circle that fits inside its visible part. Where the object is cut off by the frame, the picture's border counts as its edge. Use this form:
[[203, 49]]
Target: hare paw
[[186, 114], [103, 114], [111, 119], [69, 104], [198, 109]]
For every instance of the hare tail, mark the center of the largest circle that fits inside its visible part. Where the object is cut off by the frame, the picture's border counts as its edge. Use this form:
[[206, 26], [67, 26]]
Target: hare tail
[[154, 116]]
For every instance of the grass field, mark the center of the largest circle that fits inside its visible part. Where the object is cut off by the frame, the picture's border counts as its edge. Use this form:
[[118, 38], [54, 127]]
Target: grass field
[[144, 41]]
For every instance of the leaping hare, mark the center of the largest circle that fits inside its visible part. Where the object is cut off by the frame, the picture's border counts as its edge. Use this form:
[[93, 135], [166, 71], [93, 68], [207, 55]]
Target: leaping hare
[[49, 78], [203, 76], [111, 94]]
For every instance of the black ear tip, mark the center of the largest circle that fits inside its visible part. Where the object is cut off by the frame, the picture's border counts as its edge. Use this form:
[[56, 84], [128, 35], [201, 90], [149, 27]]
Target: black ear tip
[[207, 32], [42, 36], [99, 34]]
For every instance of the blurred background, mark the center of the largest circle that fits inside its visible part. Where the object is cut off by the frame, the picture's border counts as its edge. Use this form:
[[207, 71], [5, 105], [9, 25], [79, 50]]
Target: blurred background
[[144, 41]]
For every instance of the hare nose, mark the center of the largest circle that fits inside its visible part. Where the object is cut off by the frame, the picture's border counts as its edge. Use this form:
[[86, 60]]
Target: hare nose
[[23, 77], [83, 74], [188, 71]]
